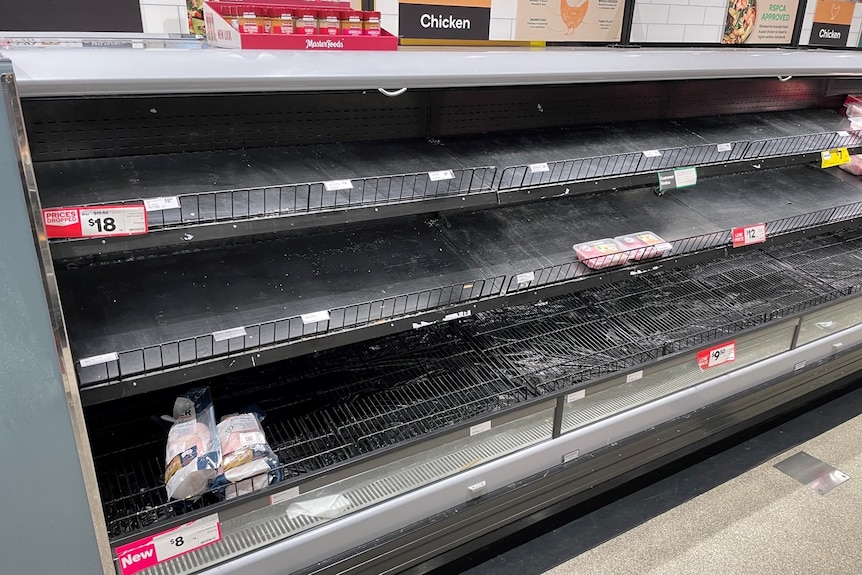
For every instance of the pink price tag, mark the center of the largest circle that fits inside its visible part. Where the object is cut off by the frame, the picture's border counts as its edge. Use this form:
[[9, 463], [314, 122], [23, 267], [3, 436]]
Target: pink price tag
[[155, 549], [95, 221], [748, 235], [717, 355]]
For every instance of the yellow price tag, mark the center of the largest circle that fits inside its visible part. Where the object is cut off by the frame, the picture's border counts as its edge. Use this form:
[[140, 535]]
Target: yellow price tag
[[836, 157]]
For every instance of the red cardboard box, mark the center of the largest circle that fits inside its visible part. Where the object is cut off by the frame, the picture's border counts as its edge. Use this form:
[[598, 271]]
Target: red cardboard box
[[221, 33]]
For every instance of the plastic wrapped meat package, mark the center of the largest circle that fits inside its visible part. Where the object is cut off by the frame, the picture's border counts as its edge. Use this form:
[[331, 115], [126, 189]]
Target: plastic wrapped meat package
[[193, 454], [248, 462], [600, 254], [644, 245], [854, 166]]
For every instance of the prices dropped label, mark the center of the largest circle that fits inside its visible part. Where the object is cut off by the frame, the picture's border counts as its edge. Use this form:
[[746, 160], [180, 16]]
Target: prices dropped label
[[717, 355], [98, 221], [155, 549], [748, 235]]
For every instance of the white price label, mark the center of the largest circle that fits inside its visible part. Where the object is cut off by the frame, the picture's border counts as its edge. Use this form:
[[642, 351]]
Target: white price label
[[335, 185], [480, 428], [282, 496], [722, 355], [540, 167], [197, 534], [576, 396], [634, 376], [525, 277], [113, 221], [158, 204], [685, 177], [571, 456], [843, 133], [652, 153], [231, 333], [724, 147], [315, 317], [441, 175], [98, 359], [458, 315]]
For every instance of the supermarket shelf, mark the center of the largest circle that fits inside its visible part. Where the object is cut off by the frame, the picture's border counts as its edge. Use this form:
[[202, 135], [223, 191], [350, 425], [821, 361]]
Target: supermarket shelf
[[80, 72], [394, 276], [354, 404], [252, 199]]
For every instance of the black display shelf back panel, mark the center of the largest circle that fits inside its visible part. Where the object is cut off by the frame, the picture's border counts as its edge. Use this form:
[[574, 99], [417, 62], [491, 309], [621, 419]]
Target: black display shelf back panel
[[80, 128], [326, 411]]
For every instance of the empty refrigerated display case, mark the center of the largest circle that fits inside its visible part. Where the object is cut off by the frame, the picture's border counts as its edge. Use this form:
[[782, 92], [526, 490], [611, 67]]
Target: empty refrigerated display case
[[391, 282]]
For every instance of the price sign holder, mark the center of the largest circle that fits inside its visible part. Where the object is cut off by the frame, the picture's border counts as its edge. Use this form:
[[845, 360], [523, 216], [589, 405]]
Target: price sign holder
[[747, 235], [95, 222], [836, 157], [718, 355], [677, 179], [155, 549]]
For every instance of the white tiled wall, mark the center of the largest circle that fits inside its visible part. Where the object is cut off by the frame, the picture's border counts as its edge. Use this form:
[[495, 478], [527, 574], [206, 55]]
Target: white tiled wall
[[503, 16], [678, 20], [164, 16], [388, 15]]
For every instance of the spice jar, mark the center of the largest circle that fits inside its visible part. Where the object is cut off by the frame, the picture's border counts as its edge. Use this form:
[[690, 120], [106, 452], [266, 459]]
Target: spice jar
[[370, 23], [267, 15], [329, 22], [306, 21], [351, 23], [231, 16], [282, 21], [250, 21]]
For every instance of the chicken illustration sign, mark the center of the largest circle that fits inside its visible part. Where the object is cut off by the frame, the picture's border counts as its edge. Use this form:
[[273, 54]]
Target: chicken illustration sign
[[569, 20], [519, 20]]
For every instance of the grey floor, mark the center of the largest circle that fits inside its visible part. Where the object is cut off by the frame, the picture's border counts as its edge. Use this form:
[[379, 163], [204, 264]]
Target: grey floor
[[731, 513]]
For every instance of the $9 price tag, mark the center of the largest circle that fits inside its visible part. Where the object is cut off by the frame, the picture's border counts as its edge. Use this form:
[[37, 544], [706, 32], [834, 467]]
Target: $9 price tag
[[153, 550], [97, 221], [717, 355]]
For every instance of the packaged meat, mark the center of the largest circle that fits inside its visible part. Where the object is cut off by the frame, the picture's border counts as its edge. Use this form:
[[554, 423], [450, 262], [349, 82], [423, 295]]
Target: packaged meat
[[600, 254], [643, 245], [192, 455], [855, 165], [248, 462]]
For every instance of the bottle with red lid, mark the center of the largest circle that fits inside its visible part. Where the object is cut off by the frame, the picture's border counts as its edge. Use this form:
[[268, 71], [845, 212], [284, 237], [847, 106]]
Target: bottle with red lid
[[306, 21], [282, 20], [351, 23], [329, 21], [250, 21], [370, 23]]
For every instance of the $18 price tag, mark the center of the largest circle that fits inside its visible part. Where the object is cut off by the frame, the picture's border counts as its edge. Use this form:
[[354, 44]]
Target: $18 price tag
[[97, 221], [717, 355], [748, 235], [153, 550]]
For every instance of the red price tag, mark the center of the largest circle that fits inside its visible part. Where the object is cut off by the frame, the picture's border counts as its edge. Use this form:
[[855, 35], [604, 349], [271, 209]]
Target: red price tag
[[152, 550], [95, 221], [717, 355], [748, 235]]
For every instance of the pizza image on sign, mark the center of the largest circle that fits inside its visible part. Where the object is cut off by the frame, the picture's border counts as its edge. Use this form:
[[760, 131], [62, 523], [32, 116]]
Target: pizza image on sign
[[740, 20]]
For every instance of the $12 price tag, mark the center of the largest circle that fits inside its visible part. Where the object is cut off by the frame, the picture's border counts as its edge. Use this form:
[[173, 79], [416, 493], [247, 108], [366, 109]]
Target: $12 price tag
[[97, 221], [153, 550], [717, 355], [748, 235]]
